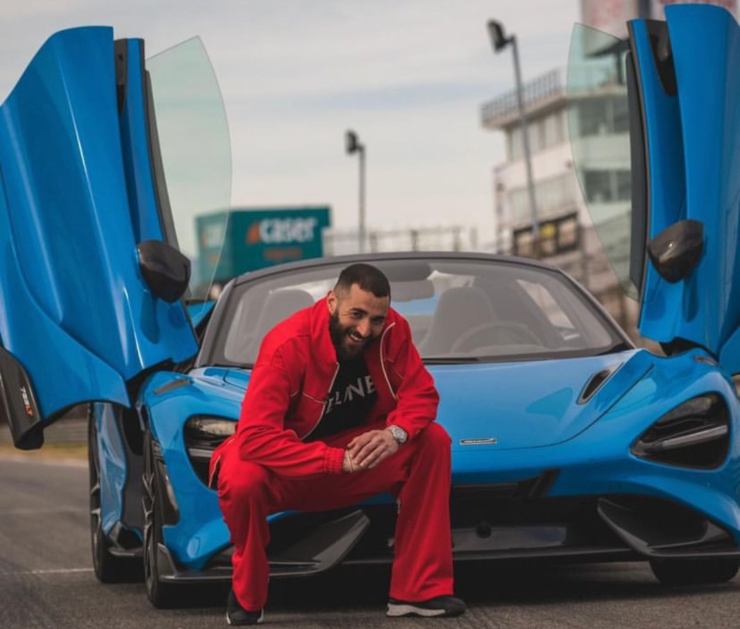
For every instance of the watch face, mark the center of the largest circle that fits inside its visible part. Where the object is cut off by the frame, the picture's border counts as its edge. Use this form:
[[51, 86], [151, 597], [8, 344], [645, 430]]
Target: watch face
[[399, 434]]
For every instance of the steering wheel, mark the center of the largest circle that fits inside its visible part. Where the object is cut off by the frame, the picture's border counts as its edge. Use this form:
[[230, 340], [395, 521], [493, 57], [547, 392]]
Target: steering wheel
[[495, 333]]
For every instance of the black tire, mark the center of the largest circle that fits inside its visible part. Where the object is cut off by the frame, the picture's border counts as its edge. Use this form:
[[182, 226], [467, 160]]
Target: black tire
[[107, 567], [695, 571], [161, 595]]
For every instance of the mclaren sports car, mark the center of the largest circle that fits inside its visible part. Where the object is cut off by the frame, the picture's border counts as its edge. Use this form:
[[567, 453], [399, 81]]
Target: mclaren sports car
[[568, 441]]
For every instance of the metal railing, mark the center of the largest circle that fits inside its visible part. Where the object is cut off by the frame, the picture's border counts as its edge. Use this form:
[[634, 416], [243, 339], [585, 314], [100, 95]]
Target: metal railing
[[440, 238], [542, 88]]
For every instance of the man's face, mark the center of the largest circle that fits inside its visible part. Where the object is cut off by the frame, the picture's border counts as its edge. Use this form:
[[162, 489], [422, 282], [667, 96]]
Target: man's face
[[357, 317]]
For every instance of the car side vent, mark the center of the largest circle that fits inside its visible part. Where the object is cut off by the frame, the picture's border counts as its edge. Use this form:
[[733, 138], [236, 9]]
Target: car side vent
[[594, 384], [695, 434]]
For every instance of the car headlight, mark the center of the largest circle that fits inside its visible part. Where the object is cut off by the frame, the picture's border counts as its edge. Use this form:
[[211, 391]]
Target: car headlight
[[207, 432], [202, 436], [694, 434]]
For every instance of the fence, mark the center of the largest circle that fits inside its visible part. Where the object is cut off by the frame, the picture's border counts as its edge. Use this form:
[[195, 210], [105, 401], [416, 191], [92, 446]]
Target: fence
[[440, 238]]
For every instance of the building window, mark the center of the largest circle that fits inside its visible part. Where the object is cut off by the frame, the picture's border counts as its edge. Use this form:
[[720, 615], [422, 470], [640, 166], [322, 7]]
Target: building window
[[558, 235], [592, 117], [544, 132], [516, 144], [552, 195], [601, 116], [606, 186], [621, 115], [539, 129], [624, 185], [553, 129], [598, 187]]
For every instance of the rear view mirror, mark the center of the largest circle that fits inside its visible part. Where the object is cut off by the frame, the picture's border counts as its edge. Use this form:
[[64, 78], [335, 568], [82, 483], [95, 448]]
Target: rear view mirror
[[165, 269], [676, 250]]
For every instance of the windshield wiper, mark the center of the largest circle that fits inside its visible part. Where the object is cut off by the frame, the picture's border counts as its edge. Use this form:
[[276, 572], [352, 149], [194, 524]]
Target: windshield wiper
[[443, 360], [617, 347]]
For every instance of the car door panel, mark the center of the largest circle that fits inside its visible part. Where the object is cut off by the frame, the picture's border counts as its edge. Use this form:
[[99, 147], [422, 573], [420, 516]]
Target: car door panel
[[692, 135], [77, 197]]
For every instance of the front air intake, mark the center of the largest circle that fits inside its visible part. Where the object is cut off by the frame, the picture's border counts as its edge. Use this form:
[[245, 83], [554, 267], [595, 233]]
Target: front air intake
[[594, 384], [695, 434]]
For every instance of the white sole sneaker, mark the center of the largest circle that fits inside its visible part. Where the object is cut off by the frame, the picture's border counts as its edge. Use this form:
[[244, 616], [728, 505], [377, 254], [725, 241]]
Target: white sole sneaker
[[260, 620], [408, 609]]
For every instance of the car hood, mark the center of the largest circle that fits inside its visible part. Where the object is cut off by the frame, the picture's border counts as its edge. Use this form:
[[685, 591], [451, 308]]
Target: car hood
[[530, 404], [521, 404]]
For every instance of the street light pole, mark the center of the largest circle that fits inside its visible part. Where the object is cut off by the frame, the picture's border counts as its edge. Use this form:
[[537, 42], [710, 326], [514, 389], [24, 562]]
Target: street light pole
[[525, 143], [361, 200], [499, 42], [353, 145]]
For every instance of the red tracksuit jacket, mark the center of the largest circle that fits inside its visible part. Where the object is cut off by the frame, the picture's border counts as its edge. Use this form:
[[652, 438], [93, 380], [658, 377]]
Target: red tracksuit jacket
[[292, 379]]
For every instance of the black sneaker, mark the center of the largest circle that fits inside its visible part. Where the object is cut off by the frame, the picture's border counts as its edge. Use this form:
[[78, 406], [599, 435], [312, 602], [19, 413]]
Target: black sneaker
[[237, 615], [438, 606]]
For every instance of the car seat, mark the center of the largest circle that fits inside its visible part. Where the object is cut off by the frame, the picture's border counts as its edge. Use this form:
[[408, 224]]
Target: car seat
[[459, 309]]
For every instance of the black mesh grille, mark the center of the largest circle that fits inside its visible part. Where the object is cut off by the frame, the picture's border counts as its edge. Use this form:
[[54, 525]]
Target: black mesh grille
[[689, 436]]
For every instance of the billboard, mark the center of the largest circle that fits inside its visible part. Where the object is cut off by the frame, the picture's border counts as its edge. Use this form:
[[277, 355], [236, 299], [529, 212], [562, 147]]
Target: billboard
[[238, 240]]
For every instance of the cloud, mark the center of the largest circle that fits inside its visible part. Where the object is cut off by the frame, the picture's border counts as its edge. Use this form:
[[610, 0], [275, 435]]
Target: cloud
[[408, 76]]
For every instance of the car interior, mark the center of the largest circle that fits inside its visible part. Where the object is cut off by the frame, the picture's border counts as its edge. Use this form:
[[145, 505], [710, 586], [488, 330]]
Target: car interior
[[453, 311]]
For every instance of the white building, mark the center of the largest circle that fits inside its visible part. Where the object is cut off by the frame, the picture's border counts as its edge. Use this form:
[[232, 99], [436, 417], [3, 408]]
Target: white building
[[598, 121], [578, 130]]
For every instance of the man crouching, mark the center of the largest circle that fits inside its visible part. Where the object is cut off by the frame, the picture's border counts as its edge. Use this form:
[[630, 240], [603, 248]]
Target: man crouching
[[339, 408]]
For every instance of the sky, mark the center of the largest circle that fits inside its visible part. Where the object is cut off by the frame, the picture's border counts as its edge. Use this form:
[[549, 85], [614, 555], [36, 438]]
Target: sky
[[409, 76]]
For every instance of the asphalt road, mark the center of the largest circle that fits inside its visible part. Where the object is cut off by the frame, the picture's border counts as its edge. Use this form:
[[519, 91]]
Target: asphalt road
[[46, 580]]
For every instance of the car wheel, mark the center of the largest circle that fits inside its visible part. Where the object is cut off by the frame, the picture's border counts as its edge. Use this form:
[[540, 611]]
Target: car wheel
[[160, 594], [107, 567], [695, 571]]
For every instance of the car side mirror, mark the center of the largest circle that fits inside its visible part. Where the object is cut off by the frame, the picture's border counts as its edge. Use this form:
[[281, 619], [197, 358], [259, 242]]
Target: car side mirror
[[165, 269], [676, 250]]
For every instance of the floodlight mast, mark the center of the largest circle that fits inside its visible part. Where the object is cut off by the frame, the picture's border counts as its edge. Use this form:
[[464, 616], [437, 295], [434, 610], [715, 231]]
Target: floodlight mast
[[499, 41], [353, 145]]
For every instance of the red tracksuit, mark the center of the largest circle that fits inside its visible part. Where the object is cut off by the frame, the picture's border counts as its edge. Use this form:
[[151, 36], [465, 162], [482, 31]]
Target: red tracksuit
[[267, 467]]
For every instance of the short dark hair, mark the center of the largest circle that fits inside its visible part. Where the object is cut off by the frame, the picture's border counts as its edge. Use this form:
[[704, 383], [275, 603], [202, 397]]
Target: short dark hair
[[367, 277]]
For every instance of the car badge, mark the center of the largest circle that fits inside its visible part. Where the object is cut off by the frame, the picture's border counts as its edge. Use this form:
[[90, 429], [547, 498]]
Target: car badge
[[26, 402], [483, 441]]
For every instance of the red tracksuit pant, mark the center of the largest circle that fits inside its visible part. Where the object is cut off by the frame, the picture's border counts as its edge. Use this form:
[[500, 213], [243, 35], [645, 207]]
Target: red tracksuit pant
[[418, 474]]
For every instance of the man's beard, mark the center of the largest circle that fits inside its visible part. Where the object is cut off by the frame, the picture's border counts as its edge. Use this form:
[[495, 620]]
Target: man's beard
[[339, 334]]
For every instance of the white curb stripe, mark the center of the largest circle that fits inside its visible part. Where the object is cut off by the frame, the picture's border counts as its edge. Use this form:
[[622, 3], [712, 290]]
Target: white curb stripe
[[45, 571]]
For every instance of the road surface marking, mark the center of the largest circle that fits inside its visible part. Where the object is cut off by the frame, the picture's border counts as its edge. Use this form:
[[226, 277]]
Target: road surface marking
[[44, 571], [43, 511], [18, 458]]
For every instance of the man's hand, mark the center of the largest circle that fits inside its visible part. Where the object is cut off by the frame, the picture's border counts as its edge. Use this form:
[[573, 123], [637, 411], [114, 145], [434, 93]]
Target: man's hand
[[370, 448]]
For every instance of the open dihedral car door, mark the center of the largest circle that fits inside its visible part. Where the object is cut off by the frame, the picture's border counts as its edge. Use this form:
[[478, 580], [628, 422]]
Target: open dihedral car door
[[681, 78], [90, 274]]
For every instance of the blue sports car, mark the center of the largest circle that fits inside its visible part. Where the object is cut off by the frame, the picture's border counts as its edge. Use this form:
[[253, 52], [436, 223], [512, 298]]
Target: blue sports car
[[568, 441]]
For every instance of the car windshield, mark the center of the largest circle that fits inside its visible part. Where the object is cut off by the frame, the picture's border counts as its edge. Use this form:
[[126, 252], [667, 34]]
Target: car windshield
[[458, 310]]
